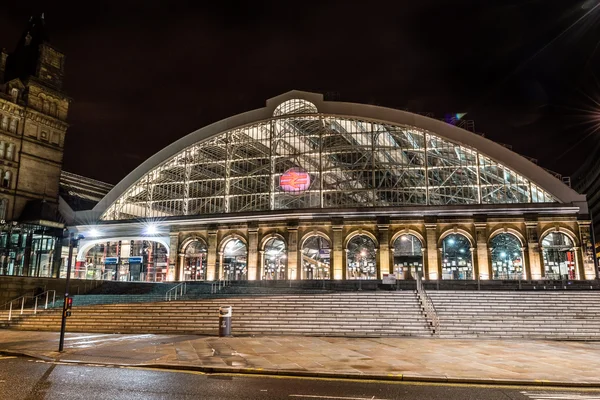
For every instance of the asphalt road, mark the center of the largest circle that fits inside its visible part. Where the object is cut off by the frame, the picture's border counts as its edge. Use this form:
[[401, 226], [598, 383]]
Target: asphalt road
[[24, 378]]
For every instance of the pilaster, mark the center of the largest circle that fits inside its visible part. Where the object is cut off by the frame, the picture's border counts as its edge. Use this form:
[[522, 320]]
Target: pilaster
[[174, 267], [292, 253], [482, 270], [211, 257], [433, 269], [337, 261], [252, 252], [383, 255], [536, 267]]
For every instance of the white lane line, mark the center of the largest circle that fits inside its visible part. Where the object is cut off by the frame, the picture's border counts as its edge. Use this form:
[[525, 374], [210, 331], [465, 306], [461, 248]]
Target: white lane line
[[6, 357], [559, 396], [110, 339], [335, 397]]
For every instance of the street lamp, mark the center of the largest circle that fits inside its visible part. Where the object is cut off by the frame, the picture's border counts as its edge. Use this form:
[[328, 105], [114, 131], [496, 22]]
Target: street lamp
[[73, 242]]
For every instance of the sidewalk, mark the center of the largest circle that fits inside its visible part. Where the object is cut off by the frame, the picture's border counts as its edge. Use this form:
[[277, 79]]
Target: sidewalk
[[415, 359]]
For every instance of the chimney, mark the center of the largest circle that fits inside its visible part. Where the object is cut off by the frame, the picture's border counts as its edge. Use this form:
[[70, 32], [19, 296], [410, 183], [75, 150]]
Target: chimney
[[3, 57]]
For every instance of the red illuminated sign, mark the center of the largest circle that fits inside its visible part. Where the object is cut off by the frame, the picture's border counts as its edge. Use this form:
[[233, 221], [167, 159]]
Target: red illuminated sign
[[294, 180]]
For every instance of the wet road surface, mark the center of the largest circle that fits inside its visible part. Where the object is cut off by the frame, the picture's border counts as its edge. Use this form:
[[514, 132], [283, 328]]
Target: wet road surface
[[23, 378]]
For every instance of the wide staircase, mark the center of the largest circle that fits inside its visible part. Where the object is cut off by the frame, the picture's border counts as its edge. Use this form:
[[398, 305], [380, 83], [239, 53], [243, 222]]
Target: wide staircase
[[564, 315], [360, 314]]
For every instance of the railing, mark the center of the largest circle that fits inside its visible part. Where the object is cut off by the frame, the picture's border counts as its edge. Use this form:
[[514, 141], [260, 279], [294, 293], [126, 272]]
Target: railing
[[47, 294], [23, 299], [427, 307], [179, 289], [216, 286]]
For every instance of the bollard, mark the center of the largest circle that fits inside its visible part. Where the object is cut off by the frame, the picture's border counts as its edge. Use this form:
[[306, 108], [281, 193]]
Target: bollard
[[225, 320]]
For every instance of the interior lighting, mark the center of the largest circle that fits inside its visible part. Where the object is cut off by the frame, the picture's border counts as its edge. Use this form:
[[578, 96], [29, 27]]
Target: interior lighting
[[151, 230], [503, 254], [404, 238], [93, 232], [450, 241]]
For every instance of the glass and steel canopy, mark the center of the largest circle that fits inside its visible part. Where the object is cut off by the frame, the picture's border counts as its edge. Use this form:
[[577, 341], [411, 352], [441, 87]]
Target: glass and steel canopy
[[301, 159]]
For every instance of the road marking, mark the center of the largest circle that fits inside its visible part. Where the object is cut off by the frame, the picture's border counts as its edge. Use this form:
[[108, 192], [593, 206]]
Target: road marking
[[6, 357], [559, 396], [335, 397]]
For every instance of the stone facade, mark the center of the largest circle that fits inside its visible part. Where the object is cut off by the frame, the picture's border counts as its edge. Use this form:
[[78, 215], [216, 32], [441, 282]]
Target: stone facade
[[33, 113]]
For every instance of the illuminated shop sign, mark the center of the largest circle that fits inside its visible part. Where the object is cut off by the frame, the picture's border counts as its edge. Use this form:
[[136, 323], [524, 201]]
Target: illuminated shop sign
[[294, 180]]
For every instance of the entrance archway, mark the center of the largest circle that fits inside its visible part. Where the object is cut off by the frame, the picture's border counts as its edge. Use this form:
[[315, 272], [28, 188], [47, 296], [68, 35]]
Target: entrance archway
[[194, 262], [316, 261], [507, 256], [361, 258], [457, 258], [408, 256], [559, 256], [234, 260], [274, 259]]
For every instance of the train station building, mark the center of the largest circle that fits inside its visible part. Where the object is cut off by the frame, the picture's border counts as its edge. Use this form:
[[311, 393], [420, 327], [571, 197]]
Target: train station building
[[311, 189]]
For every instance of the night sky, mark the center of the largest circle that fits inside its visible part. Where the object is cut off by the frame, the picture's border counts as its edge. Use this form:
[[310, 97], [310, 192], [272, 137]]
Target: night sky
[[143, 74]]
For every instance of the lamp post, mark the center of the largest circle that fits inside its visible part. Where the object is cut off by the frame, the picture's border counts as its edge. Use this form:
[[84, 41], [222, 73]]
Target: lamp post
[[72, 243]]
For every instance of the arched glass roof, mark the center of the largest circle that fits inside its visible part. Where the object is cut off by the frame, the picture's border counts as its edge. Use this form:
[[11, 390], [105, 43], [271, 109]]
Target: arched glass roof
[[301, 159]]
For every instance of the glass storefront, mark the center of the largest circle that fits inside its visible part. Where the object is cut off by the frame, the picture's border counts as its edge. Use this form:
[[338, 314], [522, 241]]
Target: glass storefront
[[316, 258], [194, 264], [131, 260], [361, 258], [29, 250], [507, 257], [559, 256], [457, 260], [234, 260], [274, 260], [408, 256]]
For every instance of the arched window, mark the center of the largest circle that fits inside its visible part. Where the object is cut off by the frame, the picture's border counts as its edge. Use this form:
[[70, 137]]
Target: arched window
[[274, 259], [14, 92], [53, 109], [45, 106], [559, 256], [408, 256], [194, 265], [361, 258], [316, 258], [4, 119], [2, 149], [507, 257], [457, 260], [6, 179], [13, 125], [3, 208], [234, 260], [10, 152]]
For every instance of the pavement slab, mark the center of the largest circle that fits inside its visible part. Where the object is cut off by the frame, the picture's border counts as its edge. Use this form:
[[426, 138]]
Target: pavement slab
[[475, 359]]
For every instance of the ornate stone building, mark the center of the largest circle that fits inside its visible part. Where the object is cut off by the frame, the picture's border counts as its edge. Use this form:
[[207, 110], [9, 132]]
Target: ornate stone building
[[33, 113], [310, 189]]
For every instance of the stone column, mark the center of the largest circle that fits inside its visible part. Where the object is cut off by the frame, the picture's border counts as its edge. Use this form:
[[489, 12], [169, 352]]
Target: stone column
[[252, 253], [434, 268], [383, 260], [211, 256], [483, 265], [220, 272], [337, 262], [475, 260], [174, 270], [526, 263], [580, 272], [292, 252], [181, 267], [261, 265], [536, 267]]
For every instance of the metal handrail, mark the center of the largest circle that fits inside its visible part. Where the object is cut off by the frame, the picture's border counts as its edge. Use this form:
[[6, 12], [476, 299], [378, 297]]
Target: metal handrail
[[10, 304], [216, 286], [47, 293], [180, 289], [427, 306]]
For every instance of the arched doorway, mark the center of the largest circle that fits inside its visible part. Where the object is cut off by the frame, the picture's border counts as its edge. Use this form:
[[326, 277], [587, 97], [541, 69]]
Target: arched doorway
[[274, 259], [361, 258], [235, 258], [457, 260], [408, 256], [507, 257], [316, 261], [194, 262], [559, 256]]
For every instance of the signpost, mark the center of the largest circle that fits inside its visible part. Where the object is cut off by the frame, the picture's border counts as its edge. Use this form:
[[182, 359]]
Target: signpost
[[68, 302]]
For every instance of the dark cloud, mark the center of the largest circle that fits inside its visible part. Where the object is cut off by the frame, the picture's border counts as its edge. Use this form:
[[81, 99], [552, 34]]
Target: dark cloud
[[143, 74]]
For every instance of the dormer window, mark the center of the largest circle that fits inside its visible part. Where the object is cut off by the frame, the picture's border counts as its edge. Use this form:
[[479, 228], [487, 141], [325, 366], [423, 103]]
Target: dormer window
[[14, 92]]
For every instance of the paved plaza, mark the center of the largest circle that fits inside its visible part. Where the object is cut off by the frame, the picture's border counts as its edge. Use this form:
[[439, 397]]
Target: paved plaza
[[443, 360]]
